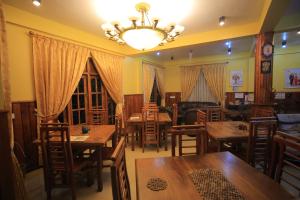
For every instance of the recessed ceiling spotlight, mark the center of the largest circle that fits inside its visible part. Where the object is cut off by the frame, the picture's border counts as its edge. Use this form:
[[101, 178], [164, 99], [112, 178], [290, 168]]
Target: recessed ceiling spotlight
[[36, 3], [158, 53], [222, 20], [283, 44], [298, 32], [228, 44], [229, 51]]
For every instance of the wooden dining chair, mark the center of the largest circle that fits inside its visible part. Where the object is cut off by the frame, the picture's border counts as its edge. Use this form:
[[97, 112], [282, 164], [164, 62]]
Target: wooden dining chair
[[174, 114], [202, 118], [285, 164], [59, 166], [150, 132], [261, 133], [96, 117], [119, 176], [198, 131], [215, 114]]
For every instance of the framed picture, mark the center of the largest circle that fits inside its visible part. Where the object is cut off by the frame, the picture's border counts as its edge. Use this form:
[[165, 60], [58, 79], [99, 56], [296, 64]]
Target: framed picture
[[265, 66], [292, 78], [236, 78]]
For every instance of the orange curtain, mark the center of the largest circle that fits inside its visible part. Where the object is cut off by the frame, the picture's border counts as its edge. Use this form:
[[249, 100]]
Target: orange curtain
[[160, 79], [215, 77], [148, 80], [110, 68], [189, 79], [58, 67], [5, 104]]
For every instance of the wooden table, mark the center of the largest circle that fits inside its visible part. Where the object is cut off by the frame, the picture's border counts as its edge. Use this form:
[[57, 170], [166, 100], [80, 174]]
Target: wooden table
[[136, 120], [252, 184], [227, 131], [98, 135]]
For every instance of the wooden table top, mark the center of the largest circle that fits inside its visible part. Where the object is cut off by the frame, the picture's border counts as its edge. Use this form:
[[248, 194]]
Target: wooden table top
[[227, 130], [97, 135], [252, 184], [163, 118]]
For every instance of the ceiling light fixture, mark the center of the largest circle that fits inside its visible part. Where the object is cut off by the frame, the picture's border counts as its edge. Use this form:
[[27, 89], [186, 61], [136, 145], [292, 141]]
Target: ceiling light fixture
[[36, 3], [143, 34], [158, 53], [229, 51], [283, 44], [298, 32], [222, 20]]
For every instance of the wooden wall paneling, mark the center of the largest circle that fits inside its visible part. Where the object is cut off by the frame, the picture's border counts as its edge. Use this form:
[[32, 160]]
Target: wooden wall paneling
[[172, 97], [6, 167], [25, 132], [263, 81], [133, 103], [290, 104]]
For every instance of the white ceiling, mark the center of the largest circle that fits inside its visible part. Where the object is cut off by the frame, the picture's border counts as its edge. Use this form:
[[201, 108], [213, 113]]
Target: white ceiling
[[202, 17]]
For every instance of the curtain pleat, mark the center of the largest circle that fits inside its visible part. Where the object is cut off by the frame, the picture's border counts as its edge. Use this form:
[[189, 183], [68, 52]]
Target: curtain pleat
[[189, 79], [215, 77], [201, 91], [148, 80], [5, 104], [58, 67], [110, 68], [160, 80]]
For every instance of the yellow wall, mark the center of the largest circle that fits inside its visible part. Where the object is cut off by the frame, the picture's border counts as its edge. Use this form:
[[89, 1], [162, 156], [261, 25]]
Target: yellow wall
[[235, 62], [285, 59], [19, 23]]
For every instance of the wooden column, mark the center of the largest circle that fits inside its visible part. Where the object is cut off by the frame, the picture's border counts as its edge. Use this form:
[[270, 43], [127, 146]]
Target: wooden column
[[263, 81], [7, 190]]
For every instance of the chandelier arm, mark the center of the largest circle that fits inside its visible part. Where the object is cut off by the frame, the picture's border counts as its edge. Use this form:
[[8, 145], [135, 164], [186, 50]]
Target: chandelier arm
[[146, 14], [171, 28], [118, 28], [134, 23], [155, 23]]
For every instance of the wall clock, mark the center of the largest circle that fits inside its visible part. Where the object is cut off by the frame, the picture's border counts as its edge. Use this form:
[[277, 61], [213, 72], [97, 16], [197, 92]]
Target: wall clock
[[267, 50]]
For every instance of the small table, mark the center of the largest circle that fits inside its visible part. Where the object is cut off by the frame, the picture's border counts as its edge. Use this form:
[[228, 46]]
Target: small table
[[227, 131], [97, 136], [136, 120], [175, 171]]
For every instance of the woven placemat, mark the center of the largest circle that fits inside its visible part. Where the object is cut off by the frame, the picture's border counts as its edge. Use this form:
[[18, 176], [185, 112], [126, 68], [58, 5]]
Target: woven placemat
[[212, 185], [156, 184]]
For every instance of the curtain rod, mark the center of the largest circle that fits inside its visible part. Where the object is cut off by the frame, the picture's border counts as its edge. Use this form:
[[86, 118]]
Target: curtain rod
[[152, 63], [91, 47], [199, 65], [83, 44]]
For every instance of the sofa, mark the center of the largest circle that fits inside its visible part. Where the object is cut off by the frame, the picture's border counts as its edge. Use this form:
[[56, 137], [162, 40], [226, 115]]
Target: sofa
[[187, 110], [289, 123]]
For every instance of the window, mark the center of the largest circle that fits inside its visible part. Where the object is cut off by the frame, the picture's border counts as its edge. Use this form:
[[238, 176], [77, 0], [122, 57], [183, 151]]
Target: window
[[155, 95], [89, 95]]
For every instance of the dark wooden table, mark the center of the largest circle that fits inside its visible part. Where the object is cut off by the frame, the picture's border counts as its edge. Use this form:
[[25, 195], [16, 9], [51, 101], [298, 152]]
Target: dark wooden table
[[97, 136], [252, 184], [227, 131], [136, 120]]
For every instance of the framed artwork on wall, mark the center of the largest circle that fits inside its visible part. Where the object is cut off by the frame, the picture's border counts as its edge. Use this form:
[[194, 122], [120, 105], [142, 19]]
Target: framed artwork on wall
[[292, 78], [236, 78], [266, 66]]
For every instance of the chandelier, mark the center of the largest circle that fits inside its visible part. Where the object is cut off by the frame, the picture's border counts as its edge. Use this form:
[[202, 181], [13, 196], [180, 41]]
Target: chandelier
[[143, 34]]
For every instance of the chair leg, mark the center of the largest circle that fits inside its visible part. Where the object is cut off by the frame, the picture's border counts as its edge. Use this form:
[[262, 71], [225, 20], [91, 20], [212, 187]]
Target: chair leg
[[72, 185]]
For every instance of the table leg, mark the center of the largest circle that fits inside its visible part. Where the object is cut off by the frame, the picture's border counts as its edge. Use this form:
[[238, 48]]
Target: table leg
[[219, 143], [99, 169], [173, 141], [133, 140]]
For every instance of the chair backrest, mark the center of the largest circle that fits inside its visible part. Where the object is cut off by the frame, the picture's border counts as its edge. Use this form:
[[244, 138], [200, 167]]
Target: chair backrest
[[118, 127], [150, 118], [259, 142], [201, 118], [175, 114], [56, 151], [119, 176], [262, 111], [285, 163], [197, 131], [96, 117], [215, 114]]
